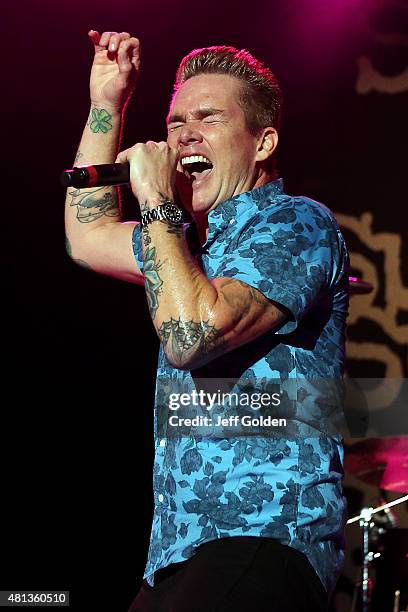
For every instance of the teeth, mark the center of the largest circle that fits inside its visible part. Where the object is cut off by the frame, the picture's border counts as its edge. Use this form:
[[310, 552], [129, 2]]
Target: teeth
[[193, 159]]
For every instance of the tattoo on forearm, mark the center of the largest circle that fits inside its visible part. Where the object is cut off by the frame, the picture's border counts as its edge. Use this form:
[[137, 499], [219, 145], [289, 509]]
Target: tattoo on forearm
[[176, 230], [145, 230], [180, 338], [153, 282], [91, 207], [188, 337], [99, 120]]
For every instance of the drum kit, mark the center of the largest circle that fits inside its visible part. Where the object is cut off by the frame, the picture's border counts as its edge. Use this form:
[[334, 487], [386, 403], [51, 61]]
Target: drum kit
[[383, 463]]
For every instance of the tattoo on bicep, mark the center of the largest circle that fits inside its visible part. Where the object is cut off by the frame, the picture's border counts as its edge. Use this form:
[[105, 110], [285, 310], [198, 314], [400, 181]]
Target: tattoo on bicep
[[246, 297], [80, 262], [99, 120], [83, 264], [91, 207], [153, 282], [188, 337], [242, 299]]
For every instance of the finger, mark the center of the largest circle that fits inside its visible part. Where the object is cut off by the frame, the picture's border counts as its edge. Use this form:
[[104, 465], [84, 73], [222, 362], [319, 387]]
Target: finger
[[122, 157], [136, 54], [174, 151], [95, 38], [105, 38], [128, 55], [116, 39]]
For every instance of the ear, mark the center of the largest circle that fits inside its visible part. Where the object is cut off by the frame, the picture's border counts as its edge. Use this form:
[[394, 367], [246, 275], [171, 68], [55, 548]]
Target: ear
[[267, 143]]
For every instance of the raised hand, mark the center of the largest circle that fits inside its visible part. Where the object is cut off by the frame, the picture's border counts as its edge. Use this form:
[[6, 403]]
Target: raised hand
[[115, 69]]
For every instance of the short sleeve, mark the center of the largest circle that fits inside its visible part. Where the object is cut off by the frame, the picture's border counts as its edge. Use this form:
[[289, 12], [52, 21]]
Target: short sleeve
[[292, 255], [137, 246]]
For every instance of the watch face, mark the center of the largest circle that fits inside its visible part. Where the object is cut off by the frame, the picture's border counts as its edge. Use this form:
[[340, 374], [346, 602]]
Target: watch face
[[173, 213]]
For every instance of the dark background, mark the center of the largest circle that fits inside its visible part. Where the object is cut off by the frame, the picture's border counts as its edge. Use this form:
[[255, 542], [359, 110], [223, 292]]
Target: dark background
[[76, 432]]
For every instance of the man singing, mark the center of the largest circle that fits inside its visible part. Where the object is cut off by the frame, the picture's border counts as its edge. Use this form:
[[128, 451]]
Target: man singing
[[253, 288]]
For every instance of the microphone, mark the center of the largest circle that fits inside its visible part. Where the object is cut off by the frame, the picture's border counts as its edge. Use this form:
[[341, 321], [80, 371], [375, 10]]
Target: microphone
[[96, 176]]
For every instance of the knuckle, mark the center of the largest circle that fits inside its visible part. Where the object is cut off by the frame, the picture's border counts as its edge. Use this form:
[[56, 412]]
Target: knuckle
[[126, 43]]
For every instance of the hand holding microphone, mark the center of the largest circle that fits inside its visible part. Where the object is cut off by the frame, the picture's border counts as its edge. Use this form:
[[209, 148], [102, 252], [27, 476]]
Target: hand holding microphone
[[153, 171]]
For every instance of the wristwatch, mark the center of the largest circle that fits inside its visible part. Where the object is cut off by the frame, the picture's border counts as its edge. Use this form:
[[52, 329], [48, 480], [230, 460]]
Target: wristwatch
[[167, 211]]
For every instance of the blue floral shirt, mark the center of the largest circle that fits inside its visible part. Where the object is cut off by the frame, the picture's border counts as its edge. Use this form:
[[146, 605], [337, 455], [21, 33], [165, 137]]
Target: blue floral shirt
[[290, 249]]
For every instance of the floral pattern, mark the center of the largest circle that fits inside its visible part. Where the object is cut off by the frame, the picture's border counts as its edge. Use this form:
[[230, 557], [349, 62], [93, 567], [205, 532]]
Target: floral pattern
[[291, 249]]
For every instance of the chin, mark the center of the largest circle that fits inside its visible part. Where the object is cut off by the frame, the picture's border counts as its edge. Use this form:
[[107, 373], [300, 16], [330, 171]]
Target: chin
[[193, 202], [200, 206]]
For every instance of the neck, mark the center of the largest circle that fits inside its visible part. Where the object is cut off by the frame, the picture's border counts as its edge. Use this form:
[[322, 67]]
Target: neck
[[201, 222]]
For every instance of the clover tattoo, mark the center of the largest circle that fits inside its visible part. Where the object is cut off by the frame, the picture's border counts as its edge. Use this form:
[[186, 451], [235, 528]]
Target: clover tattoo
[[100, 121]]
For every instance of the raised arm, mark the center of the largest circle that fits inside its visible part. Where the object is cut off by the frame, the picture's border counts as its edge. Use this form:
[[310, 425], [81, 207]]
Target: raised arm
[[96, 236]]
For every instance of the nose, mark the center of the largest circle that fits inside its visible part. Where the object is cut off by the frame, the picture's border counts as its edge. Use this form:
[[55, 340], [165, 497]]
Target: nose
[[189, 135]]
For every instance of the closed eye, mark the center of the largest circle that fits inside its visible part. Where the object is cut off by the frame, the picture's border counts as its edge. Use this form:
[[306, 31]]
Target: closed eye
[[174, 126]]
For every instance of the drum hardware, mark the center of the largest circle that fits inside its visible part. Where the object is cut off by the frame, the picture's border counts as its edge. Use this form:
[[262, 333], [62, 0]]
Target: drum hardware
[[358, 286], [395, 502], [365, 518], [396, 607], [383, 463]]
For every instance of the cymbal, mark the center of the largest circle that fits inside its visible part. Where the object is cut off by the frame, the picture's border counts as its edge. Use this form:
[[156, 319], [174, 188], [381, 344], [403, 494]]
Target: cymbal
[[358, 286], [382, 462]]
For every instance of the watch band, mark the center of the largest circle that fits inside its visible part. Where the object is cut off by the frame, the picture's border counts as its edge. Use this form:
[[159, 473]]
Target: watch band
[[167, 211]]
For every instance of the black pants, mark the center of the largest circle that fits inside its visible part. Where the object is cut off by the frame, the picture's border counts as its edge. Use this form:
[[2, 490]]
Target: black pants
[[236, 574]]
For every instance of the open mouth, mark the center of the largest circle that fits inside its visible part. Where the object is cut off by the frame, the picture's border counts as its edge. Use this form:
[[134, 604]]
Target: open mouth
[[196, 167]]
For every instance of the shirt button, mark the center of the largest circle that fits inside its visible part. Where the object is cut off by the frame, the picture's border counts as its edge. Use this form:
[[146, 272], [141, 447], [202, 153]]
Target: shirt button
[[161, 497], [232, 221], [162, 443]]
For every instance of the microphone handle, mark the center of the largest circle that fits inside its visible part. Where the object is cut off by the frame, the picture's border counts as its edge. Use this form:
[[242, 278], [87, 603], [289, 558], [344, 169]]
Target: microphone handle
[[100, 175]]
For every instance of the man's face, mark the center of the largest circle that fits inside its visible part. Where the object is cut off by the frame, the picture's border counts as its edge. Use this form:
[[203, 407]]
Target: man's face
[[206, 121]]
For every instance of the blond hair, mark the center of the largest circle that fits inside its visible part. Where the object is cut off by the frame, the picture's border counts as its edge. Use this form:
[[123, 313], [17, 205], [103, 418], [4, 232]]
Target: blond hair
[[260, 97]]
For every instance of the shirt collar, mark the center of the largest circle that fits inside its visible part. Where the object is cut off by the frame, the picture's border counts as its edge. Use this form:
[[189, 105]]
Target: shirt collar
[[241, 206]]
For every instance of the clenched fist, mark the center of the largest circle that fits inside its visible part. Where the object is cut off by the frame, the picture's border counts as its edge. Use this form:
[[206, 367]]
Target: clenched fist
[[152, 170]]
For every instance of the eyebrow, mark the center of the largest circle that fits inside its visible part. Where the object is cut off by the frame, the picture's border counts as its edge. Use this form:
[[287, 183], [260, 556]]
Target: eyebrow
[[201, 113]]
